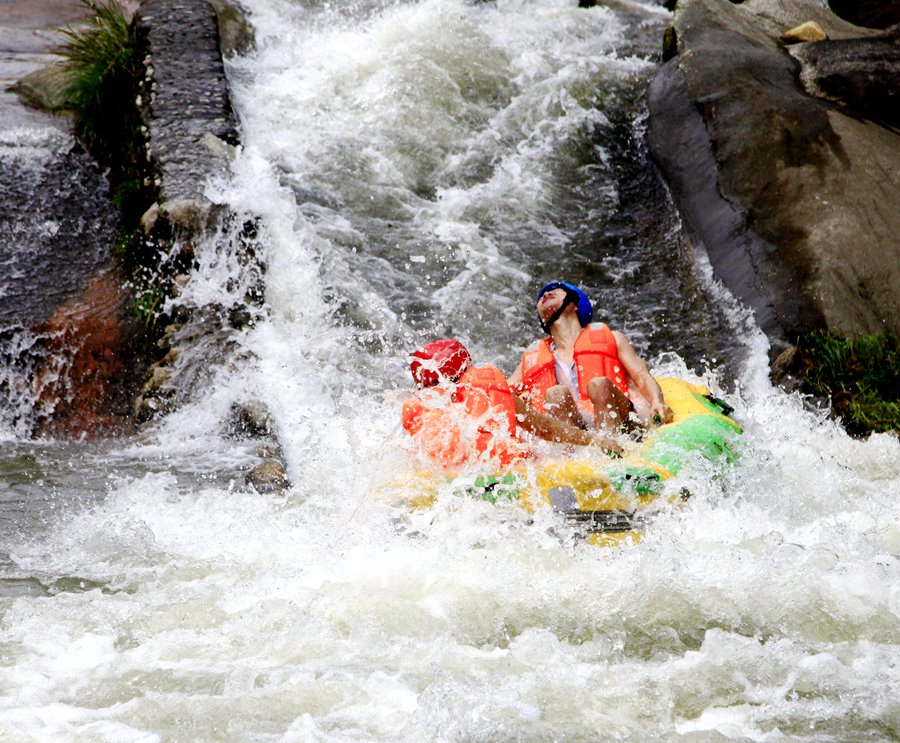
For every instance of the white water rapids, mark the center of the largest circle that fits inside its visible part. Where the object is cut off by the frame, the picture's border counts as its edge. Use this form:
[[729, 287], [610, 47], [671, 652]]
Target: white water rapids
[[406, 162]]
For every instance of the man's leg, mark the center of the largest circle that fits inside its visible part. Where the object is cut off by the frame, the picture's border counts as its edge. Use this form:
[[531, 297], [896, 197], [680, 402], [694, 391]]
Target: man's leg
[[560, 404], [611, 407]]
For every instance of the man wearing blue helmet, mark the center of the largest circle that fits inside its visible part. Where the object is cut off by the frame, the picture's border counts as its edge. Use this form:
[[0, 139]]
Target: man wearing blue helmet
[[585, 372]]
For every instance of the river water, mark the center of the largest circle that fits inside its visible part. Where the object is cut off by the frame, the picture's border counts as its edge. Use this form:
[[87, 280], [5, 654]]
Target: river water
[[419, 169]]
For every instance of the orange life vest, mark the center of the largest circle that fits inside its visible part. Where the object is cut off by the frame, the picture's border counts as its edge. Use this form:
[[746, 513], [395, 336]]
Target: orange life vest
[[595, 355], [472, 419]]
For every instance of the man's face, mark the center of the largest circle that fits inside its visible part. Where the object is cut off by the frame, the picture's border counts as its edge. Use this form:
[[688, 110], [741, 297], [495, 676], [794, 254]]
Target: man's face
[[550, 302]]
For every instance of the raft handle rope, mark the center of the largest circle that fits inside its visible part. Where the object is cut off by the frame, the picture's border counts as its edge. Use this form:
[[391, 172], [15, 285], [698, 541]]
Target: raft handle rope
[[720, 404]]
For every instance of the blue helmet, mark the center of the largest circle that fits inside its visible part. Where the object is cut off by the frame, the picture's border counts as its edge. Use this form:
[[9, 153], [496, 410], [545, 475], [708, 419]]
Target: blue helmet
[[573, 294]]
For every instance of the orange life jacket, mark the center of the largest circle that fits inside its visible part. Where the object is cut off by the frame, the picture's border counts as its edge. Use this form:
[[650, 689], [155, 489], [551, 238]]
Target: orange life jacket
[[472, 419], [595, 355]]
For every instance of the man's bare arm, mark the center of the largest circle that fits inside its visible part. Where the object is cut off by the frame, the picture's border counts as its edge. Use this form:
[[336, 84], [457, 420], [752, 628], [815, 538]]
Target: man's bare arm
[[553, 429], [639, 371]]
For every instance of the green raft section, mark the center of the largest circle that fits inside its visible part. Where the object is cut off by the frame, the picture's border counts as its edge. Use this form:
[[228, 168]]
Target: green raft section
[[609, 494], [711, 435]]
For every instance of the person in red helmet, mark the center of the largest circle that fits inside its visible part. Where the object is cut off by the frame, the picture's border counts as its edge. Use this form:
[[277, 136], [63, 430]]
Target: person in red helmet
[[584, 372], [463, 413]]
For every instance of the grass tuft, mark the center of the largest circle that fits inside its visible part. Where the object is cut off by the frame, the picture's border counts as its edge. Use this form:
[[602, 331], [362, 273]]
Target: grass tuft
[[102, 72], [101, 67], [861, 375]]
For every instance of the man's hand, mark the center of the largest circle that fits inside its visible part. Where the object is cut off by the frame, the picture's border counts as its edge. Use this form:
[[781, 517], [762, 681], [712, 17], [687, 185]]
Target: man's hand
[[639, 371], [662, 413], [608, 444]]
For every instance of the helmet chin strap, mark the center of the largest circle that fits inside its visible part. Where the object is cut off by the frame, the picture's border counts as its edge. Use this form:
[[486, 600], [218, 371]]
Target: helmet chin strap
[[546, 325]]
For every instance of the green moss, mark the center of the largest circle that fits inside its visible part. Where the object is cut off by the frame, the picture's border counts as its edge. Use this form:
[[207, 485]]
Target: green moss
[[148, 302], [861, 375], [122, 245], [126, 192]]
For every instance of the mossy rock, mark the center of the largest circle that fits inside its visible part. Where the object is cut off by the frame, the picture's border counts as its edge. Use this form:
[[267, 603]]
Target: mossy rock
[[43, 89]]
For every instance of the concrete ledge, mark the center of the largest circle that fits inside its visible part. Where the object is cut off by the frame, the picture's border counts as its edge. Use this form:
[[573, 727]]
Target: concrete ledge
[[185, 106]]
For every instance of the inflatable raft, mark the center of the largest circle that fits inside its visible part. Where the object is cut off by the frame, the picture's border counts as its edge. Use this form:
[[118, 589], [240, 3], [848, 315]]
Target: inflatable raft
[[606, 499]]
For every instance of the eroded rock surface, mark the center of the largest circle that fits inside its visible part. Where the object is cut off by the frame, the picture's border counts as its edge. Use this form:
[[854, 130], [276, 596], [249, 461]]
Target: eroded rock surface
[[862, 75], [870, 13], [793, 196]]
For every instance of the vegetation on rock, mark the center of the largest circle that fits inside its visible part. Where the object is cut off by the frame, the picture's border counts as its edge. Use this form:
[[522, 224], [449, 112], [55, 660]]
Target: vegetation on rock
[[102, 66], [103, 69], [861, 375]]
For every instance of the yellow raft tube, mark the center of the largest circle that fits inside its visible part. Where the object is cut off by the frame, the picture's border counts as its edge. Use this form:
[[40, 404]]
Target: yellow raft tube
[[606, 499]]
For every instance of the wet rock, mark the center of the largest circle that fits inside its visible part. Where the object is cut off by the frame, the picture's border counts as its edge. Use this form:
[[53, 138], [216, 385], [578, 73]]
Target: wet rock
[[57, 227], [191, 138], [235, 32], [791, 196], [43, 88], [862, 75], [82, 377], [146, 408], [251, 418], [149, 219], [789, 369], [156, 396], [185, 105], [787, 362], [200, 340], [172, 355], [187, 215], [670, 44], [59, 198], [268, 452], [240, 316], [268, 477], [67, 336], [159, 375]]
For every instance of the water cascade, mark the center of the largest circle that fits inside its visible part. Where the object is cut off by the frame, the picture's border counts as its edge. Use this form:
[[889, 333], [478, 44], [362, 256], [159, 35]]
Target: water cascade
[[416, 170]]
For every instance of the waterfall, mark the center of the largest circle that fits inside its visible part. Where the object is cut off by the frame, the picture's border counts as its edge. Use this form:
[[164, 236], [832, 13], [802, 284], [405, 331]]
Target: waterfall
[[417, 170]]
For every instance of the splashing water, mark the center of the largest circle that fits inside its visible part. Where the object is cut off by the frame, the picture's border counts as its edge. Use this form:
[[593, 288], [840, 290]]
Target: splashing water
[[416, 170]]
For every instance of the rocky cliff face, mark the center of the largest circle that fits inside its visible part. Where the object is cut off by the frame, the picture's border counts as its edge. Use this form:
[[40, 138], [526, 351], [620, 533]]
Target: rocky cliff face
[[71, 346], [792, 193], [65, 325]]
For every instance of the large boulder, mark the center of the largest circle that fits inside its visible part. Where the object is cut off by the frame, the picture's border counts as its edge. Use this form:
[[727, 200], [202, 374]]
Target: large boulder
[[863, 75], [792, 195]]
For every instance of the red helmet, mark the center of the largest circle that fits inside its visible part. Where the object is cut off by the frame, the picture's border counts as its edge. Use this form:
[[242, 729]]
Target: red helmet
[[445, 359]]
